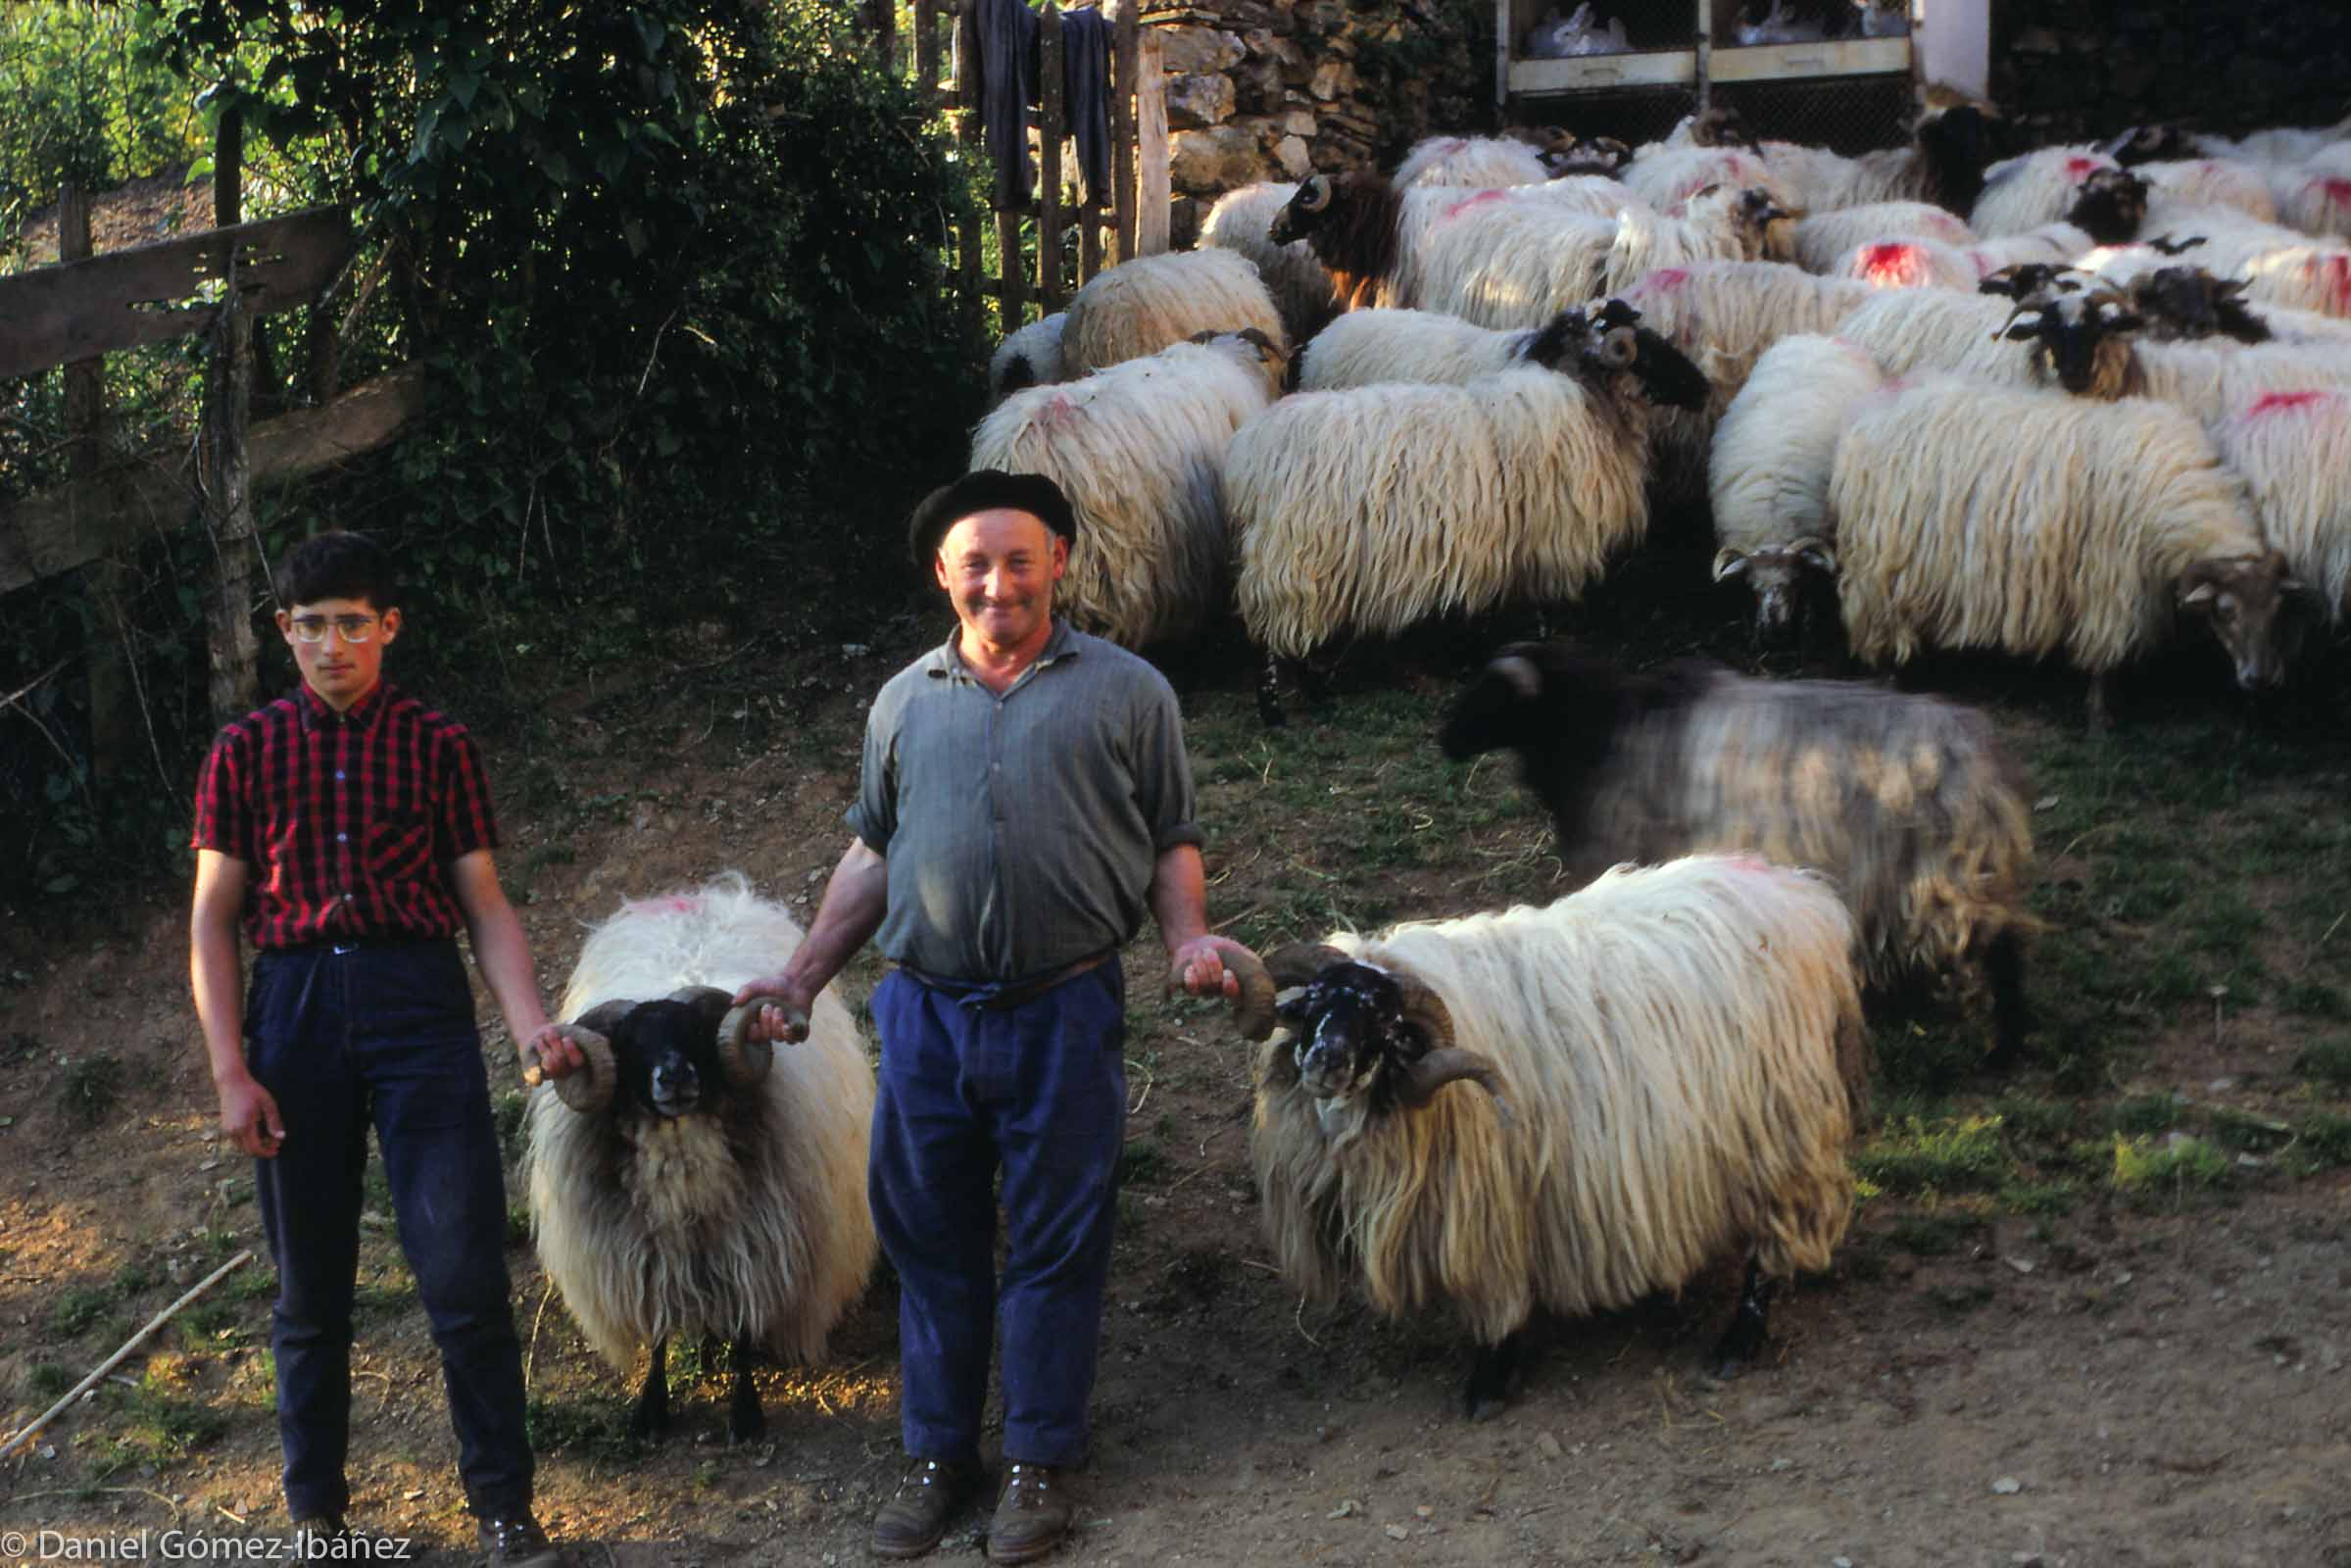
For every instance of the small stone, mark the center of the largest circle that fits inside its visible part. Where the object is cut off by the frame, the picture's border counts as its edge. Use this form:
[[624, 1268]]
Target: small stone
[[2008, 1486], [2019, 1264], [1841, 1562], [1345, 1509], [1548, 1446], [1783, 1464], [1396, 1531], [2047, 802]]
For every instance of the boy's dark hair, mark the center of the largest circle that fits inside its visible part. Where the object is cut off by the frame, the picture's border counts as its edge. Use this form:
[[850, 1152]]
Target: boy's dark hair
[[336, 565]]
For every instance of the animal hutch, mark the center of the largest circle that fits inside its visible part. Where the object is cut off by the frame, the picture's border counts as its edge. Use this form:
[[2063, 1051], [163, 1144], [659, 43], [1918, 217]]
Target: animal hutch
[[1849, 94]]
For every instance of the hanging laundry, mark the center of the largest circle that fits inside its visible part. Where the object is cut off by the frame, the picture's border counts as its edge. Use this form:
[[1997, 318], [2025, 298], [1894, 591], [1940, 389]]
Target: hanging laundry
[[1008, 67]]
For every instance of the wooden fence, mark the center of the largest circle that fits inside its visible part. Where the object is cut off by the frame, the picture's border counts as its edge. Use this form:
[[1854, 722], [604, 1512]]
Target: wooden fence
[[1135, 222]]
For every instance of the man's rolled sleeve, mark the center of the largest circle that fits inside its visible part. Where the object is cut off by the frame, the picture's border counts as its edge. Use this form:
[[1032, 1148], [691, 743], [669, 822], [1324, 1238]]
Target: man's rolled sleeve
[[222, 821], [1164, 774], [873, 817], [467, 820]]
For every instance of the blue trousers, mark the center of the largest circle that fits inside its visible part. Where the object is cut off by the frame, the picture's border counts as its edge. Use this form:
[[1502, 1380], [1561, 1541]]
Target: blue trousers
[[1039, 1091], [384, 1036]]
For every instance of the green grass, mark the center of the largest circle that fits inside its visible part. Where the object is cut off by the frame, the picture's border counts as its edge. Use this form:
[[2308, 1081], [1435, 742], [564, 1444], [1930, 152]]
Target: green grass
[[1915, 1157], [581, 1429], [2327, 1063], [2172, 1169], [89, 1088], [80, 1309]]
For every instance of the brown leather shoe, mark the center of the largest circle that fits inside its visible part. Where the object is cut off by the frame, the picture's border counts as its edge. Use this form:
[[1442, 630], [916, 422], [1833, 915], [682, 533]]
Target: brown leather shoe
[[911, 1522], [1031, 1516]]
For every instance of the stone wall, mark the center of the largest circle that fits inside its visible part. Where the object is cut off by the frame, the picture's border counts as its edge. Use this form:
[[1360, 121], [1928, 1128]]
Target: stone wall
[[2076, 69], [1277, 89]]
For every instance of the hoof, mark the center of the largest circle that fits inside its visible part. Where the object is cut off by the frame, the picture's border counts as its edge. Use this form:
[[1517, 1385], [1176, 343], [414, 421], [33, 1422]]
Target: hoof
[[746, 1426]]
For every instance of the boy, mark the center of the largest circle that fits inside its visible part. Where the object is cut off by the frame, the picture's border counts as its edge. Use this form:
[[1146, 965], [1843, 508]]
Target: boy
[[347, 829]]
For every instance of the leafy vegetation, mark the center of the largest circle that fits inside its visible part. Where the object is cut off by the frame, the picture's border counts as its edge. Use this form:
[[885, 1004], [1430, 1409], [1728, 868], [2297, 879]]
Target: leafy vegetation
[[676, 272]]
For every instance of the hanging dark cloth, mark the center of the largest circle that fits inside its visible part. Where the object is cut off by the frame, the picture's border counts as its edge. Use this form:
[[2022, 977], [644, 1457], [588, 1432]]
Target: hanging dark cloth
[[1008, 71], [1086, 91]]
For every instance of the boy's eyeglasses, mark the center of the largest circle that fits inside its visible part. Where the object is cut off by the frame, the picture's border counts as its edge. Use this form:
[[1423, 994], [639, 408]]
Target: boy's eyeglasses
[[351, 628]]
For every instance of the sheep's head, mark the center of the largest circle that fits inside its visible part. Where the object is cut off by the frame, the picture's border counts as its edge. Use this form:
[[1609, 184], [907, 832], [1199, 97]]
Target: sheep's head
[[1956, 146], [1269, 358], [2111, 206], [1305, 211], [1361, 1031], [2023, 279], [2245, 600], [1721, 125], [671, 1058], [1617, 344], [2188, 302], [1589, 155], [2080, 339], [1781, 574], [2148, 144]]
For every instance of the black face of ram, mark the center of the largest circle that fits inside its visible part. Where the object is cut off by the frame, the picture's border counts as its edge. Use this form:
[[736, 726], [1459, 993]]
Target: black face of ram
[[1667, 377], [666, 1059], [1347, 1020]]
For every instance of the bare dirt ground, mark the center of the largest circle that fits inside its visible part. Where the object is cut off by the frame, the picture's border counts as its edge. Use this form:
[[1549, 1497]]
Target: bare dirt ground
[[2124, 1385]]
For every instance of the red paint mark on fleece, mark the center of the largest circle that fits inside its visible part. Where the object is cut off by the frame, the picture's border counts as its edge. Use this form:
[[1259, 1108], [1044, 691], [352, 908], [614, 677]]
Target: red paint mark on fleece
[[1479, 200], [1891, 263], [2080, 168], [2338, 190], [1664, 280], [2277, 402], [2331, 273], [674, 903]]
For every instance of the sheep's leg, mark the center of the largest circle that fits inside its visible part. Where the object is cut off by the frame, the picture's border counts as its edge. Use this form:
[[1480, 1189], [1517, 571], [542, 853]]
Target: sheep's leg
[[651, 1417], [1490, 1368], [745, 1422], [2004, 974], [2099, 721], [1745, 1337], [1269, 691]]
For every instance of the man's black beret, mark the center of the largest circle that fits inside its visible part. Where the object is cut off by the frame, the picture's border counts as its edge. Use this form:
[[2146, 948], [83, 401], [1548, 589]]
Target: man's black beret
[[985, 490]]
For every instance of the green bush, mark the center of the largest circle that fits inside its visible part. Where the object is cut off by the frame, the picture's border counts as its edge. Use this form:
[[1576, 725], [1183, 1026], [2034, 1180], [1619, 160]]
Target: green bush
[[676, 271]]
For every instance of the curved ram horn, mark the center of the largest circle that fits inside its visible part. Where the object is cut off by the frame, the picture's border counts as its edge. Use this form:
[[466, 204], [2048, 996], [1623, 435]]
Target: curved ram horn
[[1252, 1010], [1438, 1068], [1293, 964], [1315, 194], [1729, 561], [745, 1060], [1518, 672], [1426, 1011], [588, 1088], [2021, 307]]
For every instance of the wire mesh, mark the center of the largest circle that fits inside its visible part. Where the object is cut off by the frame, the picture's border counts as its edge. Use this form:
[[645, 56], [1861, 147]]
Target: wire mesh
[[1844, 113]]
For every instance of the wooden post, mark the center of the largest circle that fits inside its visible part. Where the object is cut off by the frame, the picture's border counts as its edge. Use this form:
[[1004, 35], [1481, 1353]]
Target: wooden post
[[1125, 50], [114, 695], [968, 137], [1152, 213], [226, 482], [1052, 127], [1090, 240], [927, 47]]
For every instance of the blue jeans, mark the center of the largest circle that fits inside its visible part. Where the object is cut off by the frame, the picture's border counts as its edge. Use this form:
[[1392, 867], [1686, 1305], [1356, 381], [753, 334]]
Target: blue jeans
[[384, 1035], [1039, 1089]]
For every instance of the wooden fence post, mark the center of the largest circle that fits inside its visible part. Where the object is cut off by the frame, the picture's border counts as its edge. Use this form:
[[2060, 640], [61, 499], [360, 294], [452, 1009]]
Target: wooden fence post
[[968, 134], [227, 484], [926, 48], [1125, 51], [113, 698], [1052, 127], [1151, 210]]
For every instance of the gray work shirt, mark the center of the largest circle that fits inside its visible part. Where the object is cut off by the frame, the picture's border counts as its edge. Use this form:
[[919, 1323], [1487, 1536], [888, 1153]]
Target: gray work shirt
[[1021, 830]]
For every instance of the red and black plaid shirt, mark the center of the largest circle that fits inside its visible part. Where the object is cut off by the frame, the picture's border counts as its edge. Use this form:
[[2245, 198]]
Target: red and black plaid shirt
[[347, 823]]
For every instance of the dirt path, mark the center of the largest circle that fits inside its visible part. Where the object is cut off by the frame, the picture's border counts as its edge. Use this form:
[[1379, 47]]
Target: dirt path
[[2124, 1385]]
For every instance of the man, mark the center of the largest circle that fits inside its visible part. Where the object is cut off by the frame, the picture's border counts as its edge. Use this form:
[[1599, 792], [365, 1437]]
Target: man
[[1024, 798], [347, 827]]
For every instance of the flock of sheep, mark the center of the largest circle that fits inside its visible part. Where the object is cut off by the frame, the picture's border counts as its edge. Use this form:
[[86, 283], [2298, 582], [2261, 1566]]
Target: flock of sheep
[[2056, 403]]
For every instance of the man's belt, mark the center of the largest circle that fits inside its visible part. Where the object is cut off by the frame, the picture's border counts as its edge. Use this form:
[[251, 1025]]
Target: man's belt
[[988, 996]]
